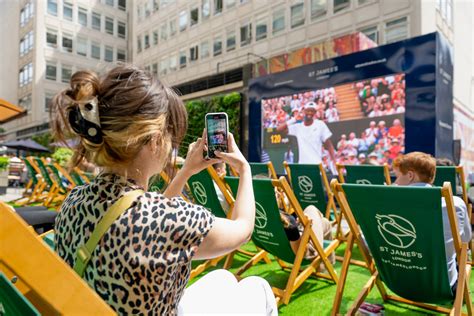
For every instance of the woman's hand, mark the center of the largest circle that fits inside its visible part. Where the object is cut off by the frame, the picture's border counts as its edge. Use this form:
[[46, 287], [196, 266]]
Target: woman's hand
[[195, 161], [233, 157]]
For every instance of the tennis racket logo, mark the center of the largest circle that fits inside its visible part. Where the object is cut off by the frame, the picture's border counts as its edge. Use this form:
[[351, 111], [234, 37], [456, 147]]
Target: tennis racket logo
[[396, 230], [199, 192], [305, 184]]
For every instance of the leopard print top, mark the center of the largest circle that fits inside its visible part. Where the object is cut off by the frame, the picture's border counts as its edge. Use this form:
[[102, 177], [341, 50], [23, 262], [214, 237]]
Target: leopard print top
[[142, 263]]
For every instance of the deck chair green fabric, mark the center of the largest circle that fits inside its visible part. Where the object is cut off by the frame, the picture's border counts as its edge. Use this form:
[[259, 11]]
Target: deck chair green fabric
[[31, 172], [365, 174], [12, 302], [309, 182], [269, 235], [455, 176], [263, 168], [77, 178], [158, 183], [44, 171], [395, 226], [204, 193], [57, 178]]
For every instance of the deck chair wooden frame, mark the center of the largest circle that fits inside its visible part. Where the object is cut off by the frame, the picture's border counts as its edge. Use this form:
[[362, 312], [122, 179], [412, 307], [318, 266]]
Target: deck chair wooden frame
[[300, 268], [462, 292], [215, 207], [254, 166], [43, 278], [81, 174], [38, 186], [459, 171], [341, 168], [56, 193]]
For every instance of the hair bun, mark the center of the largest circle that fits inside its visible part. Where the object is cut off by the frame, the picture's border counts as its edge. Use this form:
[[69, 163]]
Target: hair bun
[[85, 85]]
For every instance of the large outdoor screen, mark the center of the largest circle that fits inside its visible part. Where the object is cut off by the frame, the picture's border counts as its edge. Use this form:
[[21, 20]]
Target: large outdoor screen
[[363, 120]]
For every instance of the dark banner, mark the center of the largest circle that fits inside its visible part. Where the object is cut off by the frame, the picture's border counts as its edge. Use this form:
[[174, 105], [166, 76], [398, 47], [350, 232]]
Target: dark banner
[[381, 102]]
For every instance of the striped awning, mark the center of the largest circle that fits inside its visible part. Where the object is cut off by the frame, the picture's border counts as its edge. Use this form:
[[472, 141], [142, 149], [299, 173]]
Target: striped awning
[[9, 111]]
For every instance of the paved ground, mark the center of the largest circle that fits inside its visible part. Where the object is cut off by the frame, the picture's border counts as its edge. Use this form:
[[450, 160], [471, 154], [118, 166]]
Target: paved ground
[[12, 194]]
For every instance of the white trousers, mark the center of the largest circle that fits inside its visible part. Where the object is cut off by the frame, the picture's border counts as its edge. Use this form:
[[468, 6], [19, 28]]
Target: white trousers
[[219, 293]]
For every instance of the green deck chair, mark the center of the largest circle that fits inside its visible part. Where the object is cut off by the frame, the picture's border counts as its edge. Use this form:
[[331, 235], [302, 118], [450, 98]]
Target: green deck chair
[[77, 178], [56, 174], [12, 302], [364, 174], [309, 183], [159, 182], [395, 226], [270, 236], [54, 186], [263, 168], [454, 175], [202, 189], [36, 186]]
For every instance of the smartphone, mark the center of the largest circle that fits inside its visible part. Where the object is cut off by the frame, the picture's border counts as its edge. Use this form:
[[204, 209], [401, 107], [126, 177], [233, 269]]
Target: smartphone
[[217, 126]]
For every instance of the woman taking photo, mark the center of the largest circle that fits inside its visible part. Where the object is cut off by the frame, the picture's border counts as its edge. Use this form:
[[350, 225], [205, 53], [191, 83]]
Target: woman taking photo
[[128, 123]]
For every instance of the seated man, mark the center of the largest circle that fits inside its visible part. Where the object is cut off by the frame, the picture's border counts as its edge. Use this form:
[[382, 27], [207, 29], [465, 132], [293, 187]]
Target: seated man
[[418, 169]]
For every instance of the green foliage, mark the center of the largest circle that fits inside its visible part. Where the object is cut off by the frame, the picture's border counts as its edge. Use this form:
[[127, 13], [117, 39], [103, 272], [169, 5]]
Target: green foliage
[[43, 139], [2, 130], [62, 156], [4, 162], [197, 110]]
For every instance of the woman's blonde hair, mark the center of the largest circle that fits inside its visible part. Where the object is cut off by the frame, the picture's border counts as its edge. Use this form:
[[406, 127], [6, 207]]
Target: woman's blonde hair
[[134, 109]]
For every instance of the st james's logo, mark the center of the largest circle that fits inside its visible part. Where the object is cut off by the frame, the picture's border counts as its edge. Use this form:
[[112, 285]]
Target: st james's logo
[[363, 181], [199, 192], [396, 230], [305, 184], [260, 216]]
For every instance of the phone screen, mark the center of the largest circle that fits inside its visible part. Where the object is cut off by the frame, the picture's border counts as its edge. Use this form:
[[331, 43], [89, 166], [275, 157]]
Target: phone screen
[[216, 133]]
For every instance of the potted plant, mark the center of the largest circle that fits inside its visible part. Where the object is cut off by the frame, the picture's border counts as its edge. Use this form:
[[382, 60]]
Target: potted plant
[[4, 162]]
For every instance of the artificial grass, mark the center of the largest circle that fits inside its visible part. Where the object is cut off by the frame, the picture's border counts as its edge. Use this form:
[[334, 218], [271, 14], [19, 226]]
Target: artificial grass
[[316, 296]]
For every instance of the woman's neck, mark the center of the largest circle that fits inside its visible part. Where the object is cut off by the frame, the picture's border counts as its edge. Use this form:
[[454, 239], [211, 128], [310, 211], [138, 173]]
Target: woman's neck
[[136, 174]]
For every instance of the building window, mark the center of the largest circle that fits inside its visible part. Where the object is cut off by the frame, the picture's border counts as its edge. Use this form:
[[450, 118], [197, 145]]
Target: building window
[[48, 98], [229, 4], [96, 21], [231, 40], [121, 55], [164, 32], [372, 33], [183, 20], [217, 49], [182, 59], [122, 4], [163, 67], [121, 29], [194, 16], [25, 102], [340, 5], [396, 30], [217, 7], [154, 69], [318, 9], [194, 53], [109, 54], [82, 16], [172, 27], [278, 24], [109, 2], [26, 14], [146, 41], [109, 25], [173, 63], [67, 11], [51, 72], [95, 50], [81, 47], [206, 9], [26, 43], [155, 37], [261, 30], [246, 34], [51, 38], [297, 15], [67, 43], [204, 49], [66, 73], [139, 44], [53, 7], [26, 75]]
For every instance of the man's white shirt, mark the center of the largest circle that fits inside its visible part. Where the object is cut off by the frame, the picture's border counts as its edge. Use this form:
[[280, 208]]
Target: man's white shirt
[[310, 140]]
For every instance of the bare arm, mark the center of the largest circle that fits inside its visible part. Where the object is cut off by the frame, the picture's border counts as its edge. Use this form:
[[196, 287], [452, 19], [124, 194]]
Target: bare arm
[[228, 234], [329, 146]]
